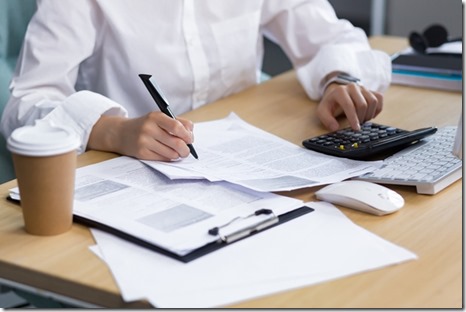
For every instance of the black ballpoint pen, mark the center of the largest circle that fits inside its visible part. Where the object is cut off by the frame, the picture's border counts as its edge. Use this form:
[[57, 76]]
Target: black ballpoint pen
[[162, 103]]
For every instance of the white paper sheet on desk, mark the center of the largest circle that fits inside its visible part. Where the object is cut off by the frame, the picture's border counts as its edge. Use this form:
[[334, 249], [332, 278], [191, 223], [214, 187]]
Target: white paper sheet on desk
[[176, 215], [232, 150], [314, 248]]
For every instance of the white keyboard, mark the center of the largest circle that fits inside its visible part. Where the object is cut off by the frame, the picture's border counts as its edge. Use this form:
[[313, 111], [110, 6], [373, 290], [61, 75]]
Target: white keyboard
[[429, 165]]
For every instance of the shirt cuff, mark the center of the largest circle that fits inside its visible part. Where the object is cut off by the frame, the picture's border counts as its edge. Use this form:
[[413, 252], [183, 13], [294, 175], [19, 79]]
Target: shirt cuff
[[372, 67], [81, 111]]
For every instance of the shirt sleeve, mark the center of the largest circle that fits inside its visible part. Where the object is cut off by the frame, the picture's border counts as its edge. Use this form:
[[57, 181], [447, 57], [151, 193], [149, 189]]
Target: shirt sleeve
[[59, 37], [318, 43]]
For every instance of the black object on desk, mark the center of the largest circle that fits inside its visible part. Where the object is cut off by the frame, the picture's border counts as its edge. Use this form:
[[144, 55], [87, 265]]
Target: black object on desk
[[373, 139], [440, 64]]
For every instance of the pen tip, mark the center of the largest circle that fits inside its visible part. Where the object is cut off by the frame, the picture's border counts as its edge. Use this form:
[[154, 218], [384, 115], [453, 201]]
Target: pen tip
[[192, 150]]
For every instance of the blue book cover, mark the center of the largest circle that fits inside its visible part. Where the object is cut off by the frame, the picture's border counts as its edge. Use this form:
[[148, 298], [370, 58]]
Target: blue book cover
[[452, 82]]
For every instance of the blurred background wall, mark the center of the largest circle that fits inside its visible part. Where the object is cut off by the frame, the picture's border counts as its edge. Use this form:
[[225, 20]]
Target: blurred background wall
[[383, 17]]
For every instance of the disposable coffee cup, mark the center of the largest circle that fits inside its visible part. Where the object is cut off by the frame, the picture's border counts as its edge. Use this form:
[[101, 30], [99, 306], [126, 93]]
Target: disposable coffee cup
[[44, 158]]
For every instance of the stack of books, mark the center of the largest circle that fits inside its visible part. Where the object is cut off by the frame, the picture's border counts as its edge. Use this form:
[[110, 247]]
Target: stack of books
[[442, 69]]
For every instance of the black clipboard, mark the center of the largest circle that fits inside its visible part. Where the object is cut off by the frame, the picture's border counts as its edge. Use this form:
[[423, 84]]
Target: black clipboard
[[193, 255]]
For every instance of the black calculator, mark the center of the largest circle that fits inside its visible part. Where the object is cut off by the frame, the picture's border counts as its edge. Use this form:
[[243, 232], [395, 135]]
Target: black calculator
[[373, 139]]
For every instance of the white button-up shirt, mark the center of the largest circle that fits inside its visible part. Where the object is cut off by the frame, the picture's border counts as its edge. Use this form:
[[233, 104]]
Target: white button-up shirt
[[81, 59]]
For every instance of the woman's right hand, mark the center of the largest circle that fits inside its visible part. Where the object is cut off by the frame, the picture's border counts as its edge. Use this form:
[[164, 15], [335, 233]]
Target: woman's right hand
[[154, 136]]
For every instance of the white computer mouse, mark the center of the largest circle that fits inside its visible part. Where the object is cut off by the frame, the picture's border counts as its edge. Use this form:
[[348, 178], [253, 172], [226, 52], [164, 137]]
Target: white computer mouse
[[361, 195]]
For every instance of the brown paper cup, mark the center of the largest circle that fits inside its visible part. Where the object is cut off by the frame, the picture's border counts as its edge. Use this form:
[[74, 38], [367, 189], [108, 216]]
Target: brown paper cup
[[46, 187], [45, 165]]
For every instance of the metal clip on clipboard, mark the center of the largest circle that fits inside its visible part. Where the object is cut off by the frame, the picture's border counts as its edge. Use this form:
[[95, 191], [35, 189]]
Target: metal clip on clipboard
[[266, 219]]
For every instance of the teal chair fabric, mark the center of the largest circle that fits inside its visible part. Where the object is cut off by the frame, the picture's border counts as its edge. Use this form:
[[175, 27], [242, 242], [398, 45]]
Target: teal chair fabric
[[14, 18]]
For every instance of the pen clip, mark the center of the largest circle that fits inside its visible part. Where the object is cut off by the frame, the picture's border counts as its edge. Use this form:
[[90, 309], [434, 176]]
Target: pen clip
[[156, 94], [268, 219]]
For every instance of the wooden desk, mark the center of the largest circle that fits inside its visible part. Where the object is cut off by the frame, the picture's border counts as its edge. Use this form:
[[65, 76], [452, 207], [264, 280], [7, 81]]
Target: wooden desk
[[430, 226]]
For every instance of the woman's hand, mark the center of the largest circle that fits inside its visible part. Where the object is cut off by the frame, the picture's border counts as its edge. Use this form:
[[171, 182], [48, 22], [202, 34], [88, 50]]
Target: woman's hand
[[154, 136], [356, 102]]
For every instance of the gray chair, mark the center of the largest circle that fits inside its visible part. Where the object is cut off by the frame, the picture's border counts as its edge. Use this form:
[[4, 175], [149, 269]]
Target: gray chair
[[14, 18]]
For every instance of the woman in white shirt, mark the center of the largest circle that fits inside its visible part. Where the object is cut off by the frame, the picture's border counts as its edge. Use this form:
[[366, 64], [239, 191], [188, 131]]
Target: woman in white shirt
[[80, 62]]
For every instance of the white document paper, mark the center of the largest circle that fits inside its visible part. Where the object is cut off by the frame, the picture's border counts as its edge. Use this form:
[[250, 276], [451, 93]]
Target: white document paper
[[317, 247], [176, 215], [233, 150], [455, 47]]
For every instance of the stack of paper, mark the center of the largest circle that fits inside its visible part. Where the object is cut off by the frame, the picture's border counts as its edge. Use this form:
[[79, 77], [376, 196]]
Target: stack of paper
[[438, 68], [130, 197], [317, 247], [234, 151]]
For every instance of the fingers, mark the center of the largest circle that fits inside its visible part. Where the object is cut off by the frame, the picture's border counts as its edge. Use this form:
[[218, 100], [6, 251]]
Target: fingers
[[327, 110], [179, 128], [188, 124], [373, 104], [154, 136], [379, 105], [158, 150], [356, 102], [170, 136], [351, 104]]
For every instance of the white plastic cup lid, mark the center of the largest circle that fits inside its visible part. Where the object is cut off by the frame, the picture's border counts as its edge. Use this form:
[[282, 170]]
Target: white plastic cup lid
[[43, 139]]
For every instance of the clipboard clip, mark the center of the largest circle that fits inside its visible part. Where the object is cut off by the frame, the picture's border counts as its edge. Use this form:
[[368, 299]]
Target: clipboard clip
[[267, 219]]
